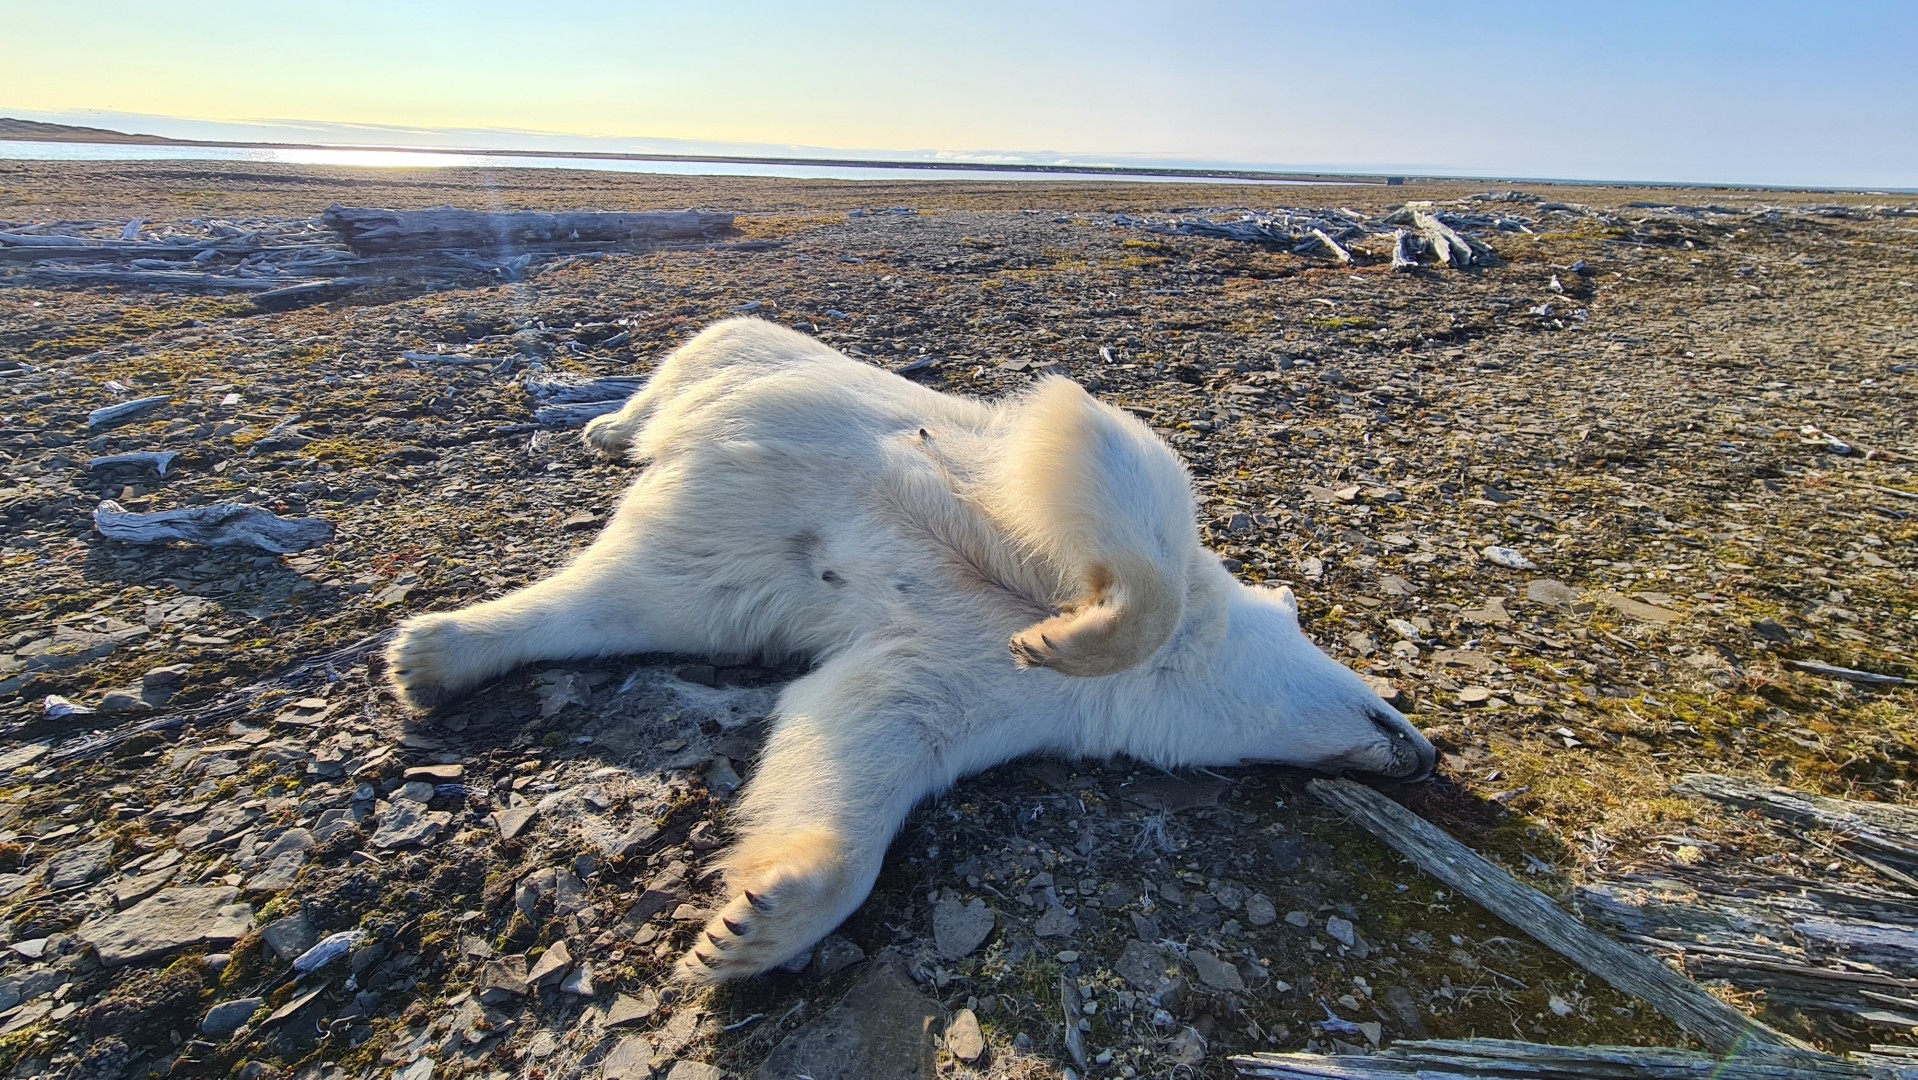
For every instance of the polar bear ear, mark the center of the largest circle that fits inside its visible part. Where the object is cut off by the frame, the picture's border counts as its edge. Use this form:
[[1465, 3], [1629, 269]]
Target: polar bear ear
[[1287, 602]]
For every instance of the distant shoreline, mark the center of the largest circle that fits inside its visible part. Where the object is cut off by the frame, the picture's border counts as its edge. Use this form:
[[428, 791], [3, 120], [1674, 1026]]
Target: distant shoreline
[[102, 135], [12, 130]]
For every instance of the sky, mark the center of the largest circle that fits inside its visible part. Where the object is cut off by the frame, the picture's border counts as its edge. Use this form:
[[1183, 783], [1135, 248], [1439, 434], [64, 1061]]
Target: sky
[[1756, 92]]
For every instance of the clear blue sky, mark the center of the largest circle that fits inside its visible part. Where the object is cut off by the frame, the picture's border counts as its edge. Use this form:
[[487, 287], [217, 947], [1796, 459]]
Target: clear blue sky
[[1761, 92]]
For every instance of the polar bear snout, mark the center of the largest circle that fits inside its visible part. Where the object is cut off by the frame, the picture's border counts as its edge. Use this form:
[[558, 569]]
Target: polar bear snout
[[1411, 755]]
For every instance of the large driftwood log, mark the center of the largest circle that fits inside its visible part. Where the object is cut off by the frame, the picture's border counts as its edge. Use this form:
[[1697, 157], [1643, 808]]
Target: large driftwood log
[[1883, 836], [372, 231], [1813, 946], [1715, 1023], [1501, 1059], [218, 525]]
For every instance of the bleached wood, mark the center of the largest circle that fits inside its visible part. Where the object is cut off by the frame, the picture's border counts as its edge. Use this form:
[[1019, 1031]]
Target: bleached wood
[[1504, 1059], [216, 525], [372, 231], [1683, 1001]]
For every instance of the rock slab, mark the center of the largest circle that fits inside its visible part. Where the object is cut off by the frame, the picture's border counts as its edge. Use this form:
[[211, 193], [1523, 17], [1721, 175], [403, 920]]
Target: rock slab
[[169, 919], [885, 1029]]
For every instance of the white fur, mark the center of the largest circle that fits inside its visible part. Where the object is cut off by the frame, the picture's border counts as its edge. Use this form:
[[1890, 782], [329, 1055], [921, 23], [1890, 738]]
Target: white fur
[[974, 582]]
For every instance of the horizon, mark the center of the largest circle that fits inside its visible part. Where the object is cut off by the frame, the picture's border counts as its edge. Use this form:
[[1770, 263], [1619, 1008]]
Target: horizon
[[1766, 95]]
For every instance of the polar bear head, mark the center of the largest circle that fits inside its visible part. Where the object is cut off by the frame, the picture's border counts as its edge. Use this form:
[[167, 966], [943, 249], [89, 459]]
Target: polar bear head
[[1288, 703]]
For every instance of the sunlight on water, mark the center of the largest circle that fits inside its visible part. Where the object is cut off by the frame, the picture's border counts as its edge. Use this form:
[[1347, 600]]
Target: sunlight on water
[[22, 150]]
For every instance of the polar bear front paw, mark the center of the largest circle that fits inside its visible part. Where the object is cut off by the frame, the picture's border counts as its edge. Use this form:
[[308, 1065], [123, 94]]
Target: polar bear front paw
[[611, 435], [798, 892], [426, 664]]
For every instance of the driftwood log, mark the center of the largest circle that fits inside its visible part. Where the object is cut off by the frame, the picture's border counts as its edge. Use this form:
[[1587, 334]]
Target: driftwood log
[[1500, 1059], [218, 525], [372, 231], [1713, 1022], [126, 410], [570, 402], [1816, 947], [1882, 836]]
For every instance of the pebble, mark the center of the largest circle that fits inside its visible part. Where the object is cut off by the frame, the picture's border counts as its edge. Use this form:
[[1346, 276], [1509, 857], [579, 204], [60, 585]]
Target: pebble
[[964, 1037], [1341, 931], [1259, 910], [1510, 558], [229, 1016]]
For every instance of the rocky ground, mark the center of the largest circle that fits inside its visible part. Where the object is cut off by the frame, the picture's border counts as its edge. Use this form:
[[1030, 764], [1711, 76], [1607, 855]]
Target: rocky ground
[[1689, 424]]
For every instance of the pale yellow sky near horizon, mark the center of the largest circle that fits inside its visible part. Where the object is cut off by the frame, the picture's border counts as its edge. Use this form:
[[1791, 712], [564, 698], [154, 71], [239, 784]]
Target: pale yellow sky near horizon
[[1766, 91]]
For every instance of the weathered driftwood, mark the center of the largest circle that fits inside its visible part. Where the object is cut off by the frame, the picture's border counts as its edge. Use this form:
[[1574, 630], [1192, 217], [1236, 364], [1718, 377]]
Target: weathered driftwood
[[571, 402], [157, 460], [1447, 244], [564, 389], [1815, 947], [217, 525], [1881, 835], [126, 410], [1863, 678], [172, 279], [1404, 255], [1501, 1059], [1712, 1021], [1332, 246], [371, 231]]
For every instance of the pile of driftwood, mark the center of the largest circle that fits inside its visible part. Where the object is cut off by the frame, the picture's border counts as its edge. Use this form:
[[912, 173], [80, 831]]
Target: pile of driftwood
[[287, 263], [1806, 944], [1456, 234]]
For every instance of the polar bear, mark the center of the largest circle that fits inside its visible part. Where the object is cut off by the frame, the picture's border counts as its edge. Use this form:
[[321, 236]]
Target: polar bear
[[972, 581]]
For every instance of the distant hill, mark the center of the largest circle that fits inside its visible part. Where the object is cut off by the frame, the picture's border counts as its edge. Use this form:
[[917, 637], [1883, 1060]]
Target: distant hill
[[41, 132]]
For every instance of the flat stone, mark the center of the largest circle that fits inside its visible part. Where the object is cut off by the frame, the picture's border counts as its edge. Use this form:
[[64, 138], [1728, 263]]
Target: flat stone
[[503, 979], [77, 866], [1214, 972], [1638, 609], [1145, 966], [1259, 910], [1056, 922], [1552, 593], [958, 928], [170, 919], [289, 936], [883, 1029], [633, 1008], [435, 774], [512, 822], [418, 791], [693, 1070], [836, 954], [407, 824], [964, 1037], [579, 983], [630, 1059], [229, 1016], [552, 964]]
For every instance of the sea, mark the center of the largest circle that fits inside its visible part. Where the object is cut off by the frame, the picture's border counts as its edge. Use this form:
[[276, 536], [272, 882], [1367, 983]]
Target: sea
[[383, 157]]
